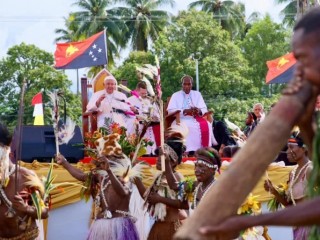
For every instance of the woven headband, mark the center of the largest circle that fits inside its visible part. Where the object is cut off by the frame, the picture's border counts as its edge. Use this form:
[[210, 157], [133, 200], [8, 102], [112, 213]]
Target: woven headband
[[170, 152]]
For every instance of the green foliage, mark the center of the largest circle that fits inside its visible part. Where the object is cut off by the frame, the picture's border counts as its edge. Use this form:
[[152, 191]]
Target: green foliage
[[143, 19], [229, 14], [291, 12], [127, 70], [236, 109], [35, 66], [264, 41], [314, 181], [92, 18], [221, 64]]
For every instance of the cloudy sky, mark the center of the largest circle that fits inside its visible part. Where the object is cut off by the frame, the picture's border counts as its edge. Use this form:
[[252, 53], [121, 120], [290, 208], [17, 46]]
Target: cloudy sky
[[34, 21]]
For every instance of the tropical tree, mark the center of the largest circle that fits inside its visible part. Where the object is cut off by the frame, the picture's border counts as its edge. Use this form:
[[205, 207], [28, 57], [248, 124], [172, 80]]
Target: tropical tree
[[69, 34], [221, 65], [144, 20], [229, 14], [29, 63], [265, 40], [92, 18], [295, 9], [127, 70]]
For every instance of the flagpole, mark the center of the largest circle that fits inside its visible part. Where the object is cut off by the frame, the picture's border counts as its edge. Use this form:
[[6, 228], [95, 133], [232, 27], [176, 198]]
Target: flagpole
[[19, 133], [159, 96], [78, 81]]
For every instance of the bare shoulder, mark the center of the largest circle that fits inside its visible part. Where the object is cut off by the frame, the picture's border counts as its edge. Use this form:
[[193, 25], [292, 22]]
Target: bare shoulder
[[309, 170]]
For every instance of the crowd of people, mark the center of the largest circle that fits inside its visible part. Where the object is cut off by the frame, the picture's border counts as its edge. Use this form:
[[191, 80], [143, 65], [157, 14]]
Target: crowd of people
[[171, 198]]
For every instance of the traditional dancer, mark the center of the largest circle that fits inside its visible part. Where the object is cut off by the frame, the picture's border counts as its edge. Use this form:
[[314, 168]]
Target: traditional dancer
[[207, 163], [298, 181], [17, 212], [163, 203], [109, 185]]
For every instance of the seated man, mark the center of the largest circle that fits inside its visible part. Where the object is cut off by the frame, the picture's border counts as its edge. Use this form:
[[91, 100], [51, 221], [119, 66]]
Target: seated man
[[192, 107], [110, 103], [251, 123], [146, 109]]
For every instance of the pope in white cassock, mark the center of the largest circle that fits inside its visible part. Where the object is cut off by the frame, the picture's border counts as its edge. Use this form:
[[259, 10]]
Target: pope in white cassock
[[192, 107], [110, 103], [146, 109]]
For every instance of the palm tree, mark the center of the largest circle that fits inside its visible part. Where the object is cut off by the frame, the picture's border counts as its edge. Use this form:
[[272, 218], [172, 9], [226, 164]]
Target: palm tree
[[143, 20], [295, 9], [93, 18], [230, 15], [69, 33], [254, 17]]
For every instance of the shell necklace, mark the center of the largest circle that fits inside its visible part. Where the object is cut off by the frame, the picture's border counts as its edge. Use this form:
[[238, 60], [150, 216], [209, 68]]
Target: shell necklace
[[103, 186], [11, 212], [204, 192], [295, 177]]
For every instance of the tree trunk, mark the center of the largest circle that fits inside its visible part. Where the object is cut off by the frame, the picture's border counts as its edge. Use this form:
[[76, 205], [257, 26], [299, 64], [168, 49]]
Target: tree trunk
[[248, 165]]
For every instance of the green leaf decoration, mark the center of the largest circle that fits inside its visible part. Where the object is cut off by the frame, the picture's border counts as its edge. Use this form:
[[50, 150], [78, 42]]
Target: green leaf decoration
[[36, 199]]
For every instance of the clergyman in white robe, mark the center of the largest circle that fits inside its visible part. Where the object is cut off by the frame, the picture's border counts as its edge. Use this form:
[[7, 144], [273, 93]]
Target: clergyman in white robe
[[181, 101], [109, 106]]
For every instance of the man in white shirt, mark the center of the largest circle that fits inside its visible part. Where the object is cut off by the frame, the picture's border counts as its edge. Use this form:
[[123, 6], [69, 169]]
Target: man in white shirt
[[110, 104], [146, 109], [192, 107]]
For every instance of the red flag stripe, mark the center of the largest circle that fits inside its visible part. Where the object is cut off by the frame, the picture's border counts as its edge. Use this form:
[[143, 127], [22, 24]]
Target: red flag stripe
[[280, 65], [37, 99], [67, 52]]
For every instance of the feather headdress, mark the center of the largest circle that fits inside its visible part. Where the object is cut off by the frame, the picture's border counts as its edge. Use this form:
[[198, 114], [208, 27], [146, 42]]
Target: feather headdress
[[128, 90], [54, 97], [152, 70], [147, 72], [236, 132], [123, 168], [234, 128], [179, 131], [66, 132]]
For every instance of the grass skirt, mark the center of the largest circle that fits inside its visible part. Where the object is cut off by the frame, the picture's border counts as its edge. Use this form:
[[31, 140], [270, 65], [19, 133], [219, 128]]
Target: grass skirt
[[301, 233], [113, 229]]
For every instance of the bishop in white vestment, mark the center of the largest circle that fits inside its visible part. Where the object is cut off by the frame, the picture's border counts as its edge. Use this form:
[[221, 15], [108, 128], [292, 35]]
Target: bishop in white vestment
[[191, 103]]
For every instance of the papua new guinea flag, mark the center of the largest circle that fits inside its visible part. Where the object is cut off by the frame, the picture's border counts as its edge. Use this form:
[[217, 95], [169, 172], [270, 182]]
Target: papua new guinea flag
[[280, 70], [87, 53]]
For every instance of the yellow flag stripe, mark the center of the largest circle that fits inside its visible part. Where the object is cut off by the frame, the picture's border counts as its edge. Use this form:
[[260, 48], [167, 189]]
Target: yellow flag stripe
[[38, 120]]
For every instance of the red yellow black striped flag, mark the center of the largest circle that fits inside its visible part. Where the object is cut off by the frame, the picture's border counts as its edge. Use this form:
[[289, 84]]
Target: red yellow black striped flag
[[280, 70]]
